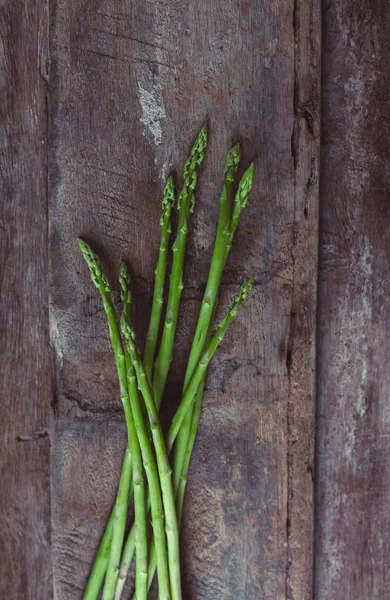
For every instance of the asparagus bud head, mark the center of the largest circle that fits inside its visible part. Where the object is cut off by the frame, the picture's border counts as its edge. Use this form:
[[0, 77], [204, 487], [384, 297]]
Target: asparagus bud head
[[232, 161], [168, 197], [125, 283], [241, 296], [191, 167], [94, 265]]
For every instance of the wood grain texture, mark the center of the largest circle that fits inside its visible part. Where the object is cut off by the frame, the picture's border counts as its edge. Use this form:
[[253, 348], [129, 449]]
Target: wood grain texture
[[353, 540], [131, 83], [25, 359]]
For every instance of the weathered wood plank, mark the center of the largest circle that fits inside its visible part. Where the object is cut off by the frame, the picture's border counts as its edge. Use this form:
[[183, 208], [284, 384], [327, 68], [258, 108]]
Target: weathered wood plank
[[25, 365], [131, 84], [353, 539]]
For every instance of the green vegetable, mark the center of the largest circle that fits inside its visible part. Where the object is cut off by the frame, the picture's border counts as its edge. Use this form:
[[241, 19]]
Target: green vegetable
[[141, 538], [209, 300], [226, 227], [121, 505], [135, 412], [197, 381], [164, 468], [185, 206], [99, 568], [142, 387], [197, 377], [158, 295]]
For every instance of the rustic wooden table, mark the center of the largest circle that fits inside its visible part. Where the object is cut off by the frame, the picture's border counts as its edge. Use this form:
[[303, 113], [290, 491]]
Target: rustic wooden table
[[100, 101]]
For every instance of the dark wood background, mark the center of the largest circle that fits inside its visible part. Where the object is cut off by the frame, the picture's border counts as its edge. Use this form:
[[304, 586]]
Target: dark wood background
[[100, 101]]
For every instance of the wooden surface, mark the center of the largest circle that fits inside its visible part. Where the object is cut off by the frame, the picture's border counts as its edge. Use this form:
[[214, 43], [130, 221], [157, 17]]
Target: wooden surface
[[26, 375], [89, 131], [353, 519], [129, 88]]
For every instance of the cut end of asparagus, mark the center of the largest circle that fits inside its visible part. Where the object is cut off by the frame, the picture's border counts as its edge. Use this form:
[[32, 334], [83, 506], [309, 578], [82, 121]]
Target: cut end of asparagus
[[191, 167], [168, 197], [125, 283], [93, 263], [232, 162]]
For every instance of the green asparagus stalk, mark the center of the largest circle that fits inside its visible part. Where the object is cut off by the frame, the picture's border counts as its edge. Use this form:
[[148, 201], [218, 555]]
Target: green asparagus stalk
[[140, 514], [164, 357], [164, 468], [225, 232], [99, 568], [127, 557], [121, 505], [185, 207], [158, 297], [196, 383], [147, 452], [154, 492], [200, 370], [181, 481], [209, 299]]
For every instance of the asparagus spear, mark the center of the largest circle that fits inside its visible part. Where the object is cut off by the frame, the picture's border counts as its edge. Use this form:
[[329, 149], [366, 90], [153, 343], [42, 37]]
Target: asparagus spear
[[99, 568], [147, 452], [209, 299], [121, 505], [154, 492], [185, 207], [140, 514], [225, 232], [158, 298], [165, 471], [164, 357], [196, 381]]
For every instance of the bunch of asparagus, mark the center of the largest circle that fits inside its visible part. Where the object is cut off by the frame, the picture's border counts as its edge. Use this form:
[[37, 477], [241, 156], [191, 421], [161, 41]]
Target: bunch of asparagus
[[147, 475]]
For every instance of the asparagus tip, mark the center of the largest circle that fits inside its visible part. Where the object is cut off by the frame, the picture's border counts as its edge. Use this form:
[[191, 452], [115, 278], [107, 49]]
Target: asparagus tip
[[245, 187], [126, 327], [93, 263], [84, 247], [191, 167], [168, 196], [242, 295], [125, 283], [232, 161]]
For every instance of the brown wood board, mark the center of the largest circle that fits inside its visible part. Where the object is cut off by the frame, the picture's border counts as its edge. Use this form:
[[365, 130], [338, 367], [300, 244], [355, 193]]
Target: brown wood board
[[25, 363], [130, 84], [353, 522]]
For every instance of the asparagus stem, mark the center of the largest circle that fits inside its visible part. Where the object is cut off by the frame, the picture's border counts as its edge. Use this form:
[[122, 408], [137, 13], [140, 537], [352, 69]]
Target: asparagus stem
[[140, 514], [226, 227], [121, 505], [149, 461], [164, 357], [209, 299], [127, 557], [158, 298], [99, 568], [189, 396], [182, 481], [196, 383], [185, 207], [165, 471], [154, 493], [147, 452]]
